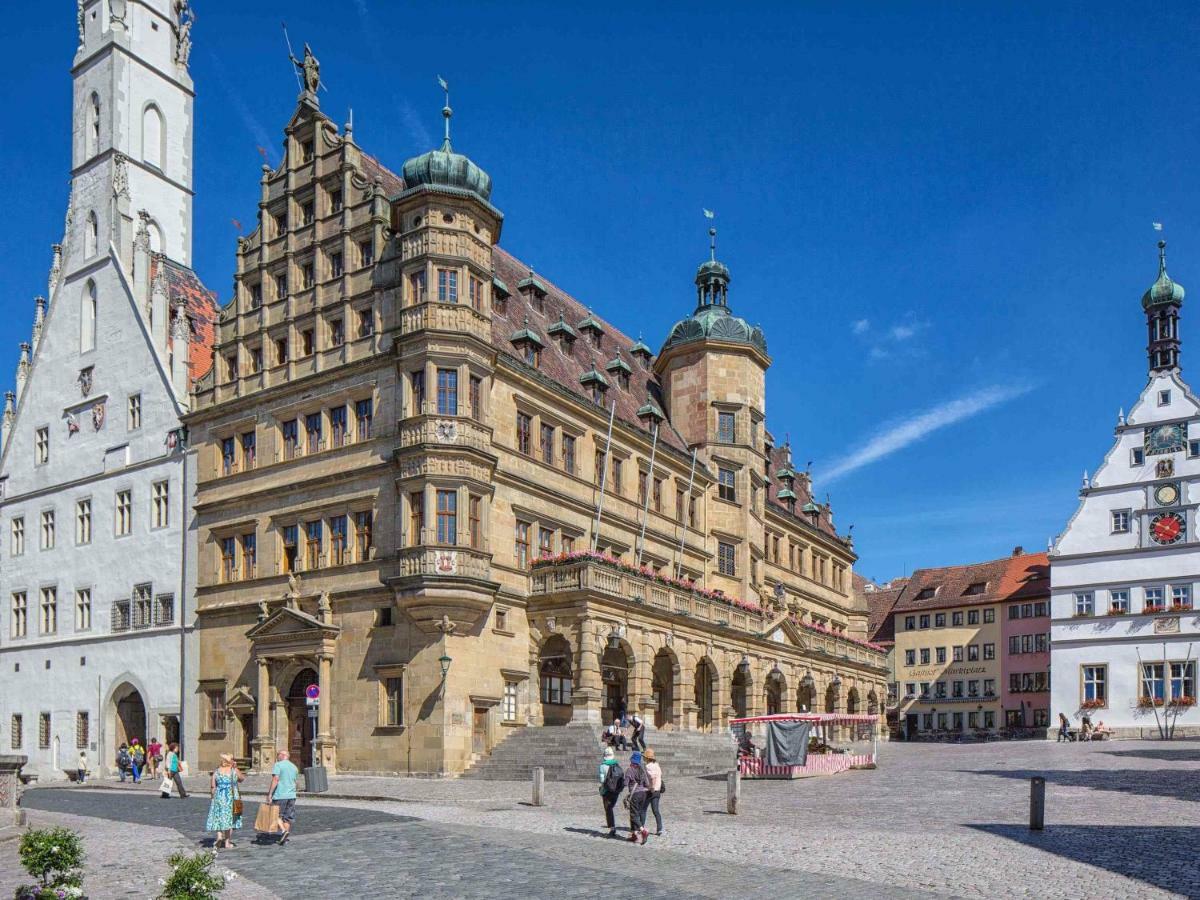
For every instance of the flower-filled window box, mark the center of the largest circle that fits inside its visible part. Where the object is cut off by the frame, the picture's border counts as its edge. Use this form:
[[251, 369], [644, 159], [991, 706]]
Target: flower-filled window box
[[1183, 701], [1147, 702], [1092, 704], [1181, 607], [1116, 611], [1150, 609]]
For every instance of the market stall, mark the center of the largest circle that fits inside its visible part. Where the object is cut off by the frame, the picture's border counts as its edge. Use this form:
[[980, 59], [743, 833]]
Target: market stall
[[800, 745]]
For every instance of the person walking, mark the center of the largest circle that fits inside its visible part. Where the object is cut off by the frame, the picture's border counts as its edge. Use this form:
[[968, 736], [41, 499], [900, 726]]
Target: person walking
[[622, 711], [639, 732], [138, 752], [657, 789], [224, 809], [124, 760], [81, 767], [637, 783], [172, 764], [283, 793], [612, 782], [153, 756], [1064, 729]]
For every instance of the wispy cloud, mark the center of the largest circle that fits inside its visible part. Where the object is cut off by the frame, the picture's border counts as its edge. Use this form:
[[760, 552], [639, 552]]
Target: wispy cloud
[[886, 341], [917, 426], [861, 326], [262, 137], [904, 332], [414, 124]]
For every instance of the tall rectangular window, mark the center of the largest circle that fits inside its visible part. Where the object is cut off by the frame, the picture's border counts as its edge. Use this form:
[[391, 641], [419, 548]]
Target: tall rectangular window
[[337, 332], [335, 265], [44, 731], [416, 517], [124, 520], [524, 433], [249, 543], [18, 535], [366, 322], [364, 415], [416, 287], [249, 450], [228, 456], [1152, 682], [447, 517], [658, 494], [510, 701], [476, 293], [143, 606], [134, 418], [475, 386], [338, 540], [17, 730], [339, 433], [615, 485], [82, 730], [568, 452], [313, 538], [160, 504], [727, 484], [228, 559], [447, 392], [83, 609], [291, 547], [290, 431], [522, 545], [312, 432], [48, 621], [726, 559], [547, 444], [474, 522], [545, 542], [598, 466], [393, 692], [417, 380], [366, 253], [1095, 683], [1183, 680], [19, 621], [725, 427], [48, 530], [41, 446], [83, 521], [447, 286], [643, 479]]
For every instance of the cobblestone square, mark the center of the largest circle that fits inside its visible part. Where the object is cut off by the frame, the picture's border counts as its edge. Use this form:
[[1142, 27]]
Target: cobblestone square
[[933, 820]]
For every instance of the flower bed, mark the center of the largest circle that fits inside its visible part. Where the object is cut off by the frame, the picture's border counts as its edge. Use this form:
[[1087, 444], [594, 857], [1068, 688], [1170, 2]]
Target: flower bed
[[821, 629]]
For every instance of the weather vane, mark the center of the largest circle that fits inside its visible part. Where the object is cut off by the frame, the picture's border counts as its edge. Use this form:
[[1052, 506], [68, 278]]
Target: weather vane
[[712, 236], [446, 111]]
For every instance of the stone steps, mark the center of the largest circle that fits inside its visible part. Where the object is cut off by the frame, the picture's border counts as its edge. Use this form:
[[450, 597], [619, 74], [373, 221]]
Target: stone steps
[[573, 752]]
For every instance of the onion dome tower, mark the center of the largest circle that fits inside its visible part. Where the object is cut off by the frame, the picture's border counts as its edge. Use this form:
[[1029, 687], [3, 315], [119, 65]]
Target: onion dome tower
[[1162, 303]]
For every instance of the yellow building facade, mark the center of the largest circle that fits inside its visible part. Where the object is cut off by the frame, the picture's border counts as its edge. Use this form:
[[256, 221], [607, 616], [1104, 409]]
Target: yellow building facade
[[440, 489]]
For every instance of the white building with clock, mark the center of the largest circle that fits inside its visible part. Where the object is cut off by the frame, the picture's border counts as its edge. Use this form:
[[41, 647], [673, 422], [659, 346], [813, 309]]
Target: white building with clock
[[96, 637], [1125, 630]]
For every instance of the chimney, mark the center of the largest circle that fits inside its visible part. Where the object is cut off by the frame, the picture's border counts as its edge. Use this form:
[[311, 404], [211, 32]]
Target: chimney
[[1018, 550]]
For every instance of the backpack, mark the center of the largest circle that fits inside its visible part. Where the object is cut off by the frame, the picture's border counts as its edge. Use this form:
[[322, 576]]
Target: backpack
[[123, 759], [139, 755], [614, 779]]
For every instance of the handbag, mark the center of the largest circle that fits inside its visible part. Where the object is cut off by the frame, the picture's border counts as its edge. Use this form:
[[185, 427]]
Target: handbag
[[662, 786], [165, 785], [237, 803]]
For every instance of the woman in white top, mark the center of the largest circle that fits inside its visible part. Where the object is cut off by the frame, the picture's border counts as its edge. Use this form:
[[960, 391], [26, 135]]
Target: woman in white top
[[656, 787]]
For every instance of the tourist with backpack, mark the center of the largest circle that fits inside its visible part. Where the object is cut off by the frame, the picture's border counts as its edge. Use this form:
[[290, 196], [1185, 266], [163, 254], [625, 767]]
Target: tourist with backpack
[[124, 760], [612, 781], [139, 760], [637, 783]]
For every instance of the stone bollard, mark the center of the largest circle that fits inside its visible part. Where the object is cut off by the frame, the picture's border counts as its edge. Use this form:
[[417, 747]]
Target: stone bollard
[[10, 782], [539, 786], [733, 792], [1037, 803]]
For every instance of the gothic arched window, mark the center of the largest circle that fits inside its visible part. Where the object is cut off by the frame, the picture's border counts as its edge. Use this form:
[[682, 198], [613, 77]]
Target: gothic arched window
[[87, 318], [153, 136]]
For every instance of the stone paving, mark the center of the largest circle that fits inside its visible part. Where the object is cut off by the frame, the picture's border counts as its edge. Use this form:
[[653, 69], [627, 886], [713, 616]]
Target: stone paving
[[1122, 818]]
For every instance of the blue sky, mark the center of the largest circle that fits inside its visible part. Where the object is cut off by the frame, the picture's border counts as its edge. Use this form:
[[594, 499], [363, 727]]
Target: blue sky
[[939, 213]]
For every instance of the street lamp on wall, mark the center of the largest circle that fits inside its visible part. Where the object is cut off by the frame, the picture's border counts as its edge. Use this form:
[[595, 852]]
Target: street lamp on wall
[[444, 661], [744, 665]]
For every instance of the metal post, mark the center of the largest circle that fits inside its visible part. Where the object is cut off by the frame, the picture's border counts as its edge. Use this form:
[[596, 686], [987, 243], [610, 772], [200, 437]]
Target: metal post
[[641, 544], [733, 792], [183, 545], [604, 476], [1037, 803], [686, 510], [539, 786]]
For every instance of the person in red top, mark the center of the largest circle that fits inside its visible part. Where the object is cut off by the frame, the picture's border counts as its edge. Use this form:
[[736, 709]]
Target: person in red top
[[153, 756]]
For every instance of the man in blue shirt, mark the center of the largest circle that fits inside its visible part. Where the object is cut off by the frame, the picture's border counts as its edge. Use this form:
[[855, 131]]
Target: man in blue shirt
[[283, 793]]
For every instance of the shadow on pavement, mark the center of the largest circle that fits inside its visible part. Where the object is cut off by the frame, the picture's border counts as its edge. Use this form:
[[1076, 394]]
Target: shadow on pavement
[[1174, 783], [1162, 856], [1170, 754]]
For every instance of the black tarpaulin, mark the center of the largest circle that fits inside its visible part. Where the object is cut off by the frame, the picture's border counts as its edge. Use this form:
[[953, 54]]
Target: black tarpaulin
[[787, 743]]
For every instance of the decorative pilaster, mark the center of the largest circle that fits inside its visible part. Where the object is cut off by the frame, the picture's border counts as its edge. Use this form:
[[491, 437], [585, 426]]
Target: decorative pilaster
[[326, 745], [264, 742], [586, 694]]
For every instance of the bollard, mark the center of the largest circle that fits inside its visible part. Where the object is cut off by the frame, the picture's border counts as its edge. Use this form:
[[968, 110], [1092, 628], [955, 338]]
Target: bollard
[[1037, 803], [733, 792], [539, 785]]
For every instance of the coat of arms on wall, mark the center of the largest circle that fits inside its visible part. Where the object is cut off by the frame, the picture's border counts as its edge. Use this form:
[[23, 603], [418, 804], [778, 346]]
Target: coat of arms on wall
[[85, 381], [98, 416], [447, 432], [72, 423], [1164, 468], [445, 562]]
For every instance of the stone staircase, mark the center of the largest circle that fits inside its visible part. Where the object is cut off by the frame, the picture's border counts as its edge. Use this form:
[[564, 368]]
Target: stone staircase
[[573, 752]]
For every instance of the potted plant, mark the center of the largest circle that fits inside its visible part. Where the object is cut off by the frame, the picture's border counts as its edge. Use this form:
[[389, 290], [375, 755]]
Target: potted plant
[[54, 855]]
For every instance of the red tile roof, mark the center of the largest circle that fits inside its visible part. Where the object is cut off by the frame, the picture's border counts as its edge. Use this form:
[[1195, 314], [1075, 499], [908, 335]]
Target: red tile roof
[[881, 624], [202, 309], [373, 168], [1010, 578]]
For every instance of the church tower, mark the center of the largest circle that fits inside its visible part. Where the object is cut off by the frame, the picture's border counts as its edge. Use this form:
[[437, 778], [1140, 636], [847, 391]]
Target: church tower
[[1162, 303]]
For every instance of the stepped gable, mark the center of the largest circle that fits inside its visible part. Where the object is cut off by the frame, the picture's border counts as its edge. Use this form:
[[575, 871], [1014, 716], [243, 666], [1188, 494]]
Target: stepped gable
[[566, 370], [881, 624], [946, 587], [202, 310], [373, 168], [780, 459]]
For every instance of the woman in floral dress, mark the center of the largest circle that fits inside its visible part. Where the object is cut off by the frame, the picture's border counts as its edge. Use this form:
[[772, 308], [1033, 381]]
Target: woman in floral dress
[[220, 810]]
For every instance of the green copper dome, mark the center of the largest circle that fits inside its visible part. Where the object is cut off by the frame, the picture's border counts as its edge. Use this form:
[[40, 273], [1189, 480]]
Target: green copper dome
[[448, 170], [1164, 290], [716, 323]]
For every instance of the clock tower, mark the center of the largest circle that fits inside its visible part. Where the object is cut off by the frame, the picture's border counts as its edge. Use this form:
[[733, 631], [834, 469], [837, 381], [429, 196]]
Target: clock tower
[[1124, 572]]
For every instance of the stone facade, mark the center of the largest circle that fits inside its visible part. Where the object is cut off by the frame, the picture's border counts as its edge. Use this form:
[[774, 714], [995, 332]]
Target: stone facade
[[93, 471], [409, 496]]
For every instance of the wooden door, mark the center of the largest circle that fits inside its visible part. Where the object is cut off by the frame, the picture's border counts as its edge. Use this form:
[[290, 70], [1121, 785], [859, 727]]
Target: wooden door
[[479, 730]]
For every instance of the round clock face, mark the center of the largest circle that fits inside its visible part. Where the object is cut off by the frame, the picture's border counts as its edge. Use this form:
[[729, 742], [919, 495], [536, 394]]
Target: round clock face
[[1167, 528], [1166, 494]]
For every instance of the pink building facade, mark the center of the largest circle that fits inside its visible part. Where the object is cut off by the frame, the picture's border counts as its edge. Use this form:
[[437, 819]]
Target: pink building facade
[[1025, 645]]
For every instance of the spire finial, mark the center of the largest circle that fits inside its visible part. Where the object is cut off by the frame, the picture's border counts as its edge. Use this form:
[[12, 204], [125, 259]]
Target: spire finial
[[447, 112], [1162, 257], [712, 236]]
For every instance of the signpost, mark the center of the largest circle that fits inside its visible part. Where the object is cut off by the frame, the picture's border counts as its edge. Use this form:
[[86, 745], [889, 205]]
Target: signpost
[[315, 779]]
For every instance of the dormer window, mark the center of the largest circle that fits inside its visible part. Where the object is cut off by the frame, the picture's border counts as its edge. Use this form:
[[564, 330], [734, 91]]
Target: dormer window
[[564, 334], [532, 287], [641, 353], [528, 344], [620, 370], [926, 594], [592, 328], [595, 384], [500, 295], [975, 589]]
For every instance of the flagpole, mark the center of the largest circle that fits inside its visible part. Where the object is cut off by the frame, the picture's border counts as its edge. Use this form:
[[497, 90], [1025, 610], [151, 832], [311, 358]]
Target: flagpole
[[604, 476], [684, 516], [646, 506]]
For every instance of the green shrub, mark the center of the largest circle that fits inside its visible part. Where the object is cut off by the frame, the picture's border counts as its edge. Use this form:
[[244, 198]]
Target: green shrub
[[192, 877], [54, 855]]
